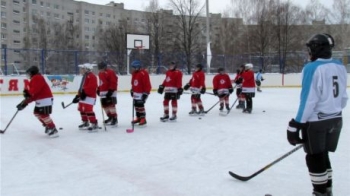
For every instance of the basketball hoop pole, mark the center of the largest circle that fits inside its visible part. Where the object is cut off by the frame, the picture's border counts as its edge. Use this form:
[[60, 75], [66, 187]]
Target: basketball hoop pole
[[128, 61]]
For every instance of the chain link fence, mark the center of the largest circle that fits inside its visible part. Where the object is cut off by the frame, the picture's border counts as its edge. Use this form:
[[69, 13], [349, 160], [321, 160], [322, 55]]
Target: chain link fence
[[56, 62]]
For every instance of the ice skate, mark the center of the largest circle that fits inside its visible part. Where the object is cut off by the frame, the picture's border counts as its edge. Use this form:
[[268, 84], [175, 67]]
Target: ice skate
[[84, 125], [135, 121], [164, 118], [319, 194], [114, 121], [142, 122], [201, 112], [93, 127], [173, 118], [52, 132], [193, 112], [247, 110], [108, 120]]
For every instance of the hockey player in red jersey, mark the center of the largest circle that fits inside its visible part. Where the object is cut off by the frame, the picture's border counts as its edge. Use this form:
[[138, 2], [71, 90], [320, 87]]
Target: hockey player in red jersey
[[248, 87], [140, 90], [222, 87], [197, 87], [39, 91], [87, 98], [238, 82], [172, 87], [107, 90]]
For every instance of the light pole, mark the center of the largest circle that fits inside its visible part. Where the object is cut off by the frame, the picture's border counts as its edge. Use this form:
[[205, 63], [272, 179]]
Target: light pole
[[208, 37]]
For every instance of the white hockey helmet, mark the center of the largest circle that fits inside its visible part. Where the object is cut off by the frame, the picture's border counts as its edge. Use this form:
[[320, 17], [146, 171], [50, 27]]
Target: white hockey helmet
[[248, 66], [87, 66]]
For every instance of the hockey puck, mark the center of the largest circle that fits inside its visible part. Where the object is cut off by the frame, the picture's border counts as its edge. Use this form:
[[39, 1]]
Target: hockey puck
[[268, 195], [200, 118], [263, 110], [60, 128]]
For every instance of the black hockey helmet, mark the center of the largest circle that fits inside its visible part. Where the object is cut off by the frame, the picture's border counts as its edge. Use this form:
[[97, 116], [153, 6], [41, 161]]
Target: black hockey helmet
[[320, 46], [31, 71], [102, 65], [200, 66]]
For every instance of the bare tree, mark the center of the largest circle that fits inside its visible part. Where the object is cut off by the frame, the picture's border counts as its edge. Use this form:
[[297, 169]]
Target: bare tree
[[341, 16], [187, 14], [316, 11]]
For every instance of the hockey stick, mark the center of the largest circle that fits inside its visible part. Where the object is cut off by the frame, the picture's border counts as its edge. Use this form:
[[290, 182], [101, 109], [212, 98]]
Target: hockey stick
[[65, 106], [103, 116], [133, 115], [232, 106], [213, 105], [3, 131], [246, 178]]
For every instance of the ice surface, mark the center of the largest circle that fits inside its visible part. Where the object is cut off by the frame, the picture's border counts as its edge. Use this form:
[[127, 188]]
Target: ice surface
[[191, 157]]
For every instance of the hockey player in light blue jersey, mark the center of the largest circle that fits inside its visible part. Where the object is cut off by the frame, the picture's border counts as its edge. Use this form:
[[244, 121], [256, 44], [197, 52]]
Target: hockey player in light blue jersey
[[322, 99]]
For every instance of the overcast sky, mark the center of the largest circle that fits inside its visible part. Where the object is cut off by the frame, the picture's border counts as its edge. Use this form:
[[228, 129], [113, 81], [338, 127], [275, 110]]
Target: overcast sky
[[213, 7]]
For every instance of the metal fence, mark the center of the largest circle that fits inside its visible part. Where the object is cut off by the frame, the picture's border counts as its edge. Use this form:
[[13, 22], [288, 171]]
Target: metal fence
[[16, 61]]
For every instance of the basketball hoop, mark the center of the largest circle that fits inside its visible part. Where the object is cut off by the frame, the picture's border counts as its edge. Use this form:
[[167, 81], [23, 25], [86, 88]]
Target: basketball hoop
[[140, 49]]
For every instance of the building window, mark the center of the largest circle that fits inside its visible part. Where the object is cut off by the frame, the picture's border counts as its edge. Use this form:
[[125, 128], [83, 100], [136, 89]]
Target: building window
[[3, 25], [41, 4], [101, 14], [87, 29], [93, 21], [3, 14], [86, 12], [56, 6], [34, 2], [48, 14], [87, 21], [87, 37], [108, 23], [16, 31], [108, 15], [16, 22], [3, 3], [16, 12], [3, 36], [93, 13], [48, 5], [57, 16], [16, 2], [16, 41]]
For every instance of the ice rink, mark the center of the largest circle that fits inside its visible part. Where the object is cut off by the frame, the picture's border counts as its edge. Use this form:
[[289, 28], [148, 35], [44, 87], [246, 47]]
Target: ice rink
[[190, 157]]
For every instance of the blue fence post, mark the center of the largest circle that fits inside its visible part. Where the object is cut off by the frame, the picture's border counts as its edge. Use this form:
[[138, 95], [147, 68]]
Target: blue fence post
[[76, 62], [5, 61], [43, 61]]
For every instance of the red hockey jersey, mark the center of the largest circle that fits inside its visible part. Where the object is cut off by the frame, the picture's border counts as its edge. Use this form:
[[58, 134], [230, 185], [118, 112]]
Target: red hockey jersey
[[172, 81], [108, 81], [248, 84], [198, 79], [222, 82], [89, 85], [39, 91], [140, 82]]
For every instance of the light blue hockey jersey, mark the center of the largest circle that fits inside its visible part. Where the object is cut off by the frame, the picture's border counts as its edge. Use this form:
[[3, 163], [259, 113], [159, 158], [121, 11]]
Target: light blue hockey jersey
[[323, 94]]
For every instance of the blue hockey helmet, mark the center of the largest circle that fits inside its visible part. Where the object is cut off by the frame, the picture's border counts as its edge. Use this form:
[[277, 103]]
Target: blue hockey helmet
[[136, 64]]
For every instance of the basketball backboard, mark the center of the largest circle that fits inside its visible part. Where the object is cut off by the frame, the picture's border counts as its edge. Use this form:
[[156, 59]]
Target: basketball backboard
[[137, 41]]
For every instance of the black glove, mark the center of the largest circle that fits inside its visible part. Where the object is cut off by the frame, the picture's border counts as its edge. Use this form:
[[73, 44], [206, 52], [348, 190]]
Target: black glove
[[21, 105], [230, 90], [187, 86], [160, 89], [203, 90], [144, 97], [215, 91], [76, 99], [98, 91], [262, 79], [109, 93], [180, 91], [131, 93], [239, 81], [82, 95], [293, 132], [26, 94]]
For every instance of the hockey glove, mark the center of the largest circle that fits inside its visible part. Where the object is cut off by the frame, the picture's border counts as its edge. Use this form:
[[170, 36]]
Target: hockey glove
[[82, 95], [160, 89], [131, 93], [21, 105], [187, 86], [230, 90], [180, 91], [109, 93], [215, 91], [144, 97], [239, 81], [76, 99], [203, 90], [293, 131], [262, 79], [26, 94], [98, 91]]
